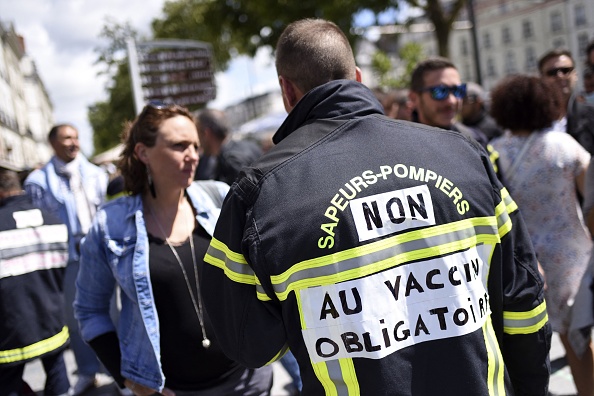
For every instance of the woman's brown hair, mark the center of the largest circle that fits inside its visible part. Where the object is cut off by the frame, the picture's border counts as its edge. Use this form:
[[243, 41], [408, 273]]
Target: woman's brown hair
[[144, 129]]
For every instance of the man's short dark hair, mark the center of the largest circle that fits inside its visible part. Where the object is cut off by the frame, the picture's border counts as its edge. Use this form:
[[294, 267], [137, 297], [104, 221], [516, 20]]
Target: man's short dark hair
[[51, 136], [312, 52], [9, 181], [555, 53], [215, 120], [417, 80]]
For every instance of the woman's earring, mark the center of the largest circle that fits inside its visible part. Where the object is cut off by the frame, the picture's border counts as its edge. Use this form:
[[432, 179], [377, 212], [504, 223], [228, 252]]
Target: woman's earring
[[150, 182]]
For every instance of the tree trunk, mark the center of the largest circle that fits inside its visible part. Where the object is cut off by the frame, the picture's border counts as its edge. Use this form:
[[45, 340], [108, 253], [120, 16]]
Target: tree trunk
[[443, 37]]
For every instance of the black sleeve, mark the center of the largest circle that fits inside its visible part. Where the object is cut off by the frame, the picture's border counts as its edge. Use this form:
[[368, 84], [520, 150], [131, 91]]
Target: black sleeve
[[107, 349]]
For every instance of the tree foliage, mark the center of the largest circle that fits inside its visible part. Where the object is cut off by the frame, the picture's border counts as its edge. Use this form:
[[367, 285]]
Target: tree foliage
[[235, 27], [396, 76], [242, 26], [108, 118], [113, 53]]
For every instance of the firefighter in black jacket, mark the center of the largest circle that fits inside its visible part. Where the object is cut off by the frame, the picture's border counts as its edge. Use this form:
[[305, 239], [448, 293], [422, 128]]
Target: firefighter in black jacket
[[385, 254], [33, 257]]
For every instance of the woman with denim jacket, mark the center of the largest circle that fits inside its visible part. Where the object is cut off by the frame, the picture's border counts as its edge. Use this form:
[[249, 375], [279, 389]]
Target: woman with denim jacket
[[151, 244]]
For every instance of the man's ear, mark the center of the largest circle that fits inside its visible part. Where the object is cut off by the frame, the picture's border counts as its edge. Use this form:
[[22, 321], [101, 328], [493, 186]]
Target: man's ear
[[291, 94], [358, 74]]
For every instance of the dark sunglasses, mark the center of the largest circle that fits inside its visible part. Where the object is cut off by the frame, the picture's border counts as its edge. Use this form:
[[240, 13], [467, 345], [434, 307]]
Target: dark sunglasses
[[564, 71], [441, 92]]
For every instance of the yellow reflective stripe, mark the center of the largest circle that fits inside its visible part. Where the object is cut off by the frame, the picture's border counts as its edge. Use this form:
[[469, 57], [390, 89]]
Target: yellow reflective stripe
[[384, 254], [510, 204], [350, 376], [279, 355], [493, 156], [321, 371], [525, 322], [35, 350], [300, 308], [262, 296], [495, 370], [504, 223], [233, 264], [338, 377]]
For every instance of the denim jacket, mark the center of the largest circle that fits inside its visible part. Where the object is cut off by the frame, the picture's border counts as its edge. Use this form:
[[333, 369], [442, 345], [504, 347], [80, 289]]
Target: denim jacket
[[116, 250]]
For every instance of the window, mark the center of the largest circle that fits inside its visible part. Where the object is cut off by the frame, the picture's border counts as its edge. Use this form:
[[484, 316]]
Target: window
[[527, 29], [505, 35], [486, 40], [580, 15], [582, 44], [559, 43], [530, 59], [466, 72], [491, 72], [556, 22], [463, 46], [510, 63]]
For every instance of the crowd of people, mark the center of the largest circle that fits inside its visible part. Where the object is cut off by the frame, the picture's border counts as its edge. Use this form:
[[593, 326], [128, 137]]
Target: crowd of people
[[423, 241]]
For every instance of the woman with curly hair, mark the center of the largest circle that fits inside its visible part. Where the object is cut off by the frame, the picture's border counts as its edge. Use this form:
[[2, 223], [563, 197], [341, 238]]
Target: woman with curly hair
[[544, 170]]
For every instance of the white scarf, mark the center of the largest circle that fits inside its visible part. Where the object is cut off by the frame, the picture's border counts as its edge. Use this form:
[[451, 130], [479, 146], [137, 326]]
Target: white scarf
[[84, 211]]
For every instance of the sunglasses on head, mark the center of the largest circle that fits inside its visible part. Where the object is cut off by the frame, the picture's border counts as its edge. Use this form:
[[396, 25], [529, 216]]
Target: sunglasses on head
[[564, 71], [441, 92], [159, 104]]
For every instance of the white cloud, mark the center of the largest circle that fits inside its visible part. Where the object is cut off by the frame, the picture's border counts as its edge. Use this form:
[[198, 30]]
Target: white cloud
[[61, 36]]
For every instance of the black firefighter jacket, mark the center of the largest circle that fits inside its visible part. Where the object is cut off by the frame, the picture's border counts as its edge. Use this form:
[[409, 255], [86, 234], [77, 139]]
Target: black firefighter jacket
[[385, 254], [33, 257]]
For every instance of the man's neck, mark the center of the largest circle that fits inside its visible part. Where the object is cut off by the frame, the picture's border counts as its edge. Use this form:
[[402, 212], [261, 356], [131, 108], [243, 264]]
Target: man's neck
[[59, 161]]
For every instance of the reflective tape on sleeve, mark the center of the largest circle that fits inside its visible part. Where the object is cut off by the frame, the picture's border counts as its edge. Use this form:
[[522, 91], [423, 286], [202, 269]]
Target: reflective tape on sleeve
[[35, 350], [525, 322]]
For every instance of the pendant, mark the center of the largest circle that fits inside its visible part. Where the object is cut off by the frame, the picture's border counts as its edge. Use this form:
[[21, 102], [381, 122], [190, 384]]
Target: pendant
[[206, 343]]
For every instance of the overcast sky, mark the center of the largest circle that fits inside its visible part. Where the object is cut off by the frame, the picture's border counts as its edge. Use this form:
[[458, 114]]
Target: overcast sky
[[61, 35]]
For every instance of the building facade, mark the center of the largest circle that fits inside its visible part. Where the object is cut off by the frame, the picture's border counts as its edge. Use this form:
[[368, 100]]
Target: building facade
[[25, 107], [511, 36]]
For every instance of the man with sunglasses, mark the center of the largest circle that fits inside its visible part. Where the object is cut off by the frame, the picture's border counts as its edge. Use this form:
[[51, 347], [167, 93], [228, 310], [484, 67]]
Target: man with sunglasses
[[557, 69], [436, 94]]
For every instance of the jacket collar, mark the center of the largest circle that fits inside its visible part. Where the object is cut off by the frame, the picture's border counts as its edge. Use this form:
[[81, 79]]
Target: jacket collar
[[338, 99], [21, 197], [206, 211]]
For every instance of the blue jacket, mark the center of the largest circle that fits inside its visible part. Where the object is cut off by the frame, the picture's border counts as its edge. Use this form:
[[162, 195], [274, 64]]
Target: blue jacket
[[116, 250], [50, 191]]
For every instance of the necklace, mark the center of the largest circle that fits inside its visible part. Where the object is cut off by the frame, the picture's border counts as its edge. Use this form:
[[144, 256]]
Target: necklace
[[196, 302]]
